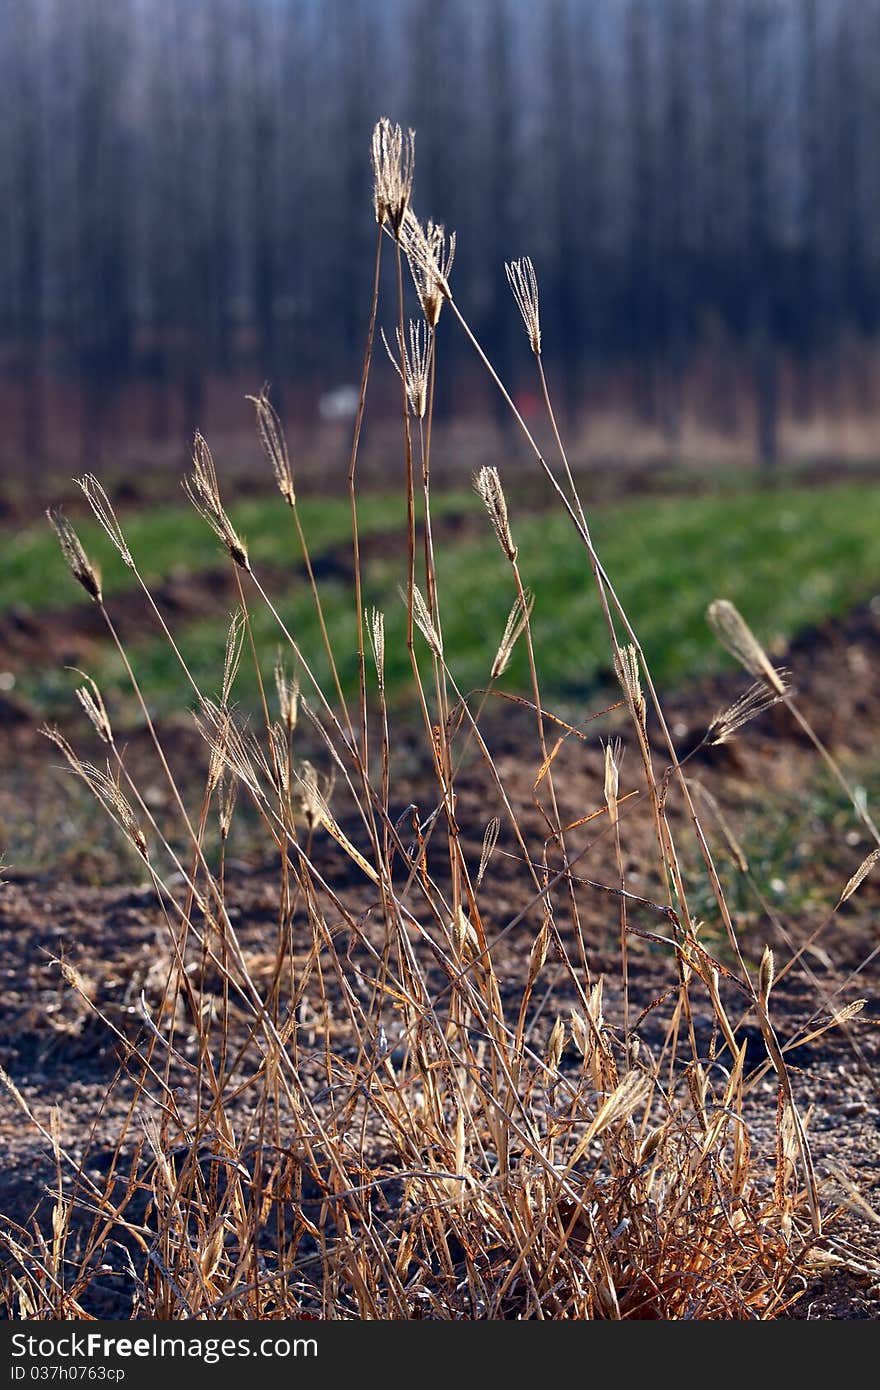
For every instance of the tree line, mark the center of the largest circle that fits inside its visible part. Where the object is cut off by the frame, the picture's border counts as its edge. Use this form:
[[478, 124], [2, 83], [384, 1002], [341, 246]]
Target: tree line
[[185, 194]]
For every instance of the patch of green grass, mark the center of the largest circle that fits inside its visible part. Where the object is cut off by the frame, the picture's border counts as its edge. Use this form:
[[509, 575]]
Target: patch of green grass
[[801, 844], [788, 559], [33, 573]]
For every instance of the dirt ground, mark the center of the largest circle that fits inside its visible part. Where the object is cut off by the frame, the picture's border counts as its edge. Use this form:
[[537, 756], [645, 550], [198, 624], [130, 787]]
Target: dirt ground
[[91, 908]]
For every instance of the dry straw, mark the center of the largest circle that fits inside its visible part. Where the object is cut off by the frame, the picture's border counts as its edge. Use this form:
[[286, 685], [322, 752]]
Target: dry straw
[[377, 1082]]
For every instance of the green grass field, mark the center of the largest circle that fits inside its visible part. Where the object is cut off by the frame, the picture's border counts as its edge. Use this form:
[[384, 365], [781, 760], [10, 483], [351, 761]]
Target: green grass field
[[788, 559]]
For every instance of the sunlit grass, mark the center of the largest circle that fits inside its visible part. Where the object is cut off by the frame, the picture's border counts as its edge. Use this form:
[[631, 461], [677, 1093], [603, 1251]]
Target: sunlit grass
[[787, 559], [167, 538]]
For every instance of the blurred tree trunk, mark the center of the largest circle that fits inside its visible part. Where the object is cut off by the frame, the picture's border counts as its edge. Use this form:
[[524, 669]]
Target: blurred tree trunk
[[762, 345], [812, 316], [29, 153], [675, 137], [497, 212], [641, 242]]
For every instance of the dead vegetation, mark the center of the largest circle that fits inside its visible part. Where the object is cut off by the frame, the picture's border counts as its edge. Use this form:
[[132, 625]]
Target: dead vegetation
[[372, 1119]]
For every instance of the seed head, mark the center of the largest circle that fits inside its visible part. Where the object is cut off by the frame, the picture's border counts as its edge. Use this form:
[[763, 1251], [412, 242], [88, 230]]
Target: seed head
[[106, 789], [430, 258], [538, 954], [232, 657], [376, 625], [766, 976], [555, 1044], [487, 484], [227, 792], [274, 444], [416, 357], [92, 702], [314, 798], [613, 752], [79, 564], [287, 688], [753, 702], [281, 770], [490, 840], [516, 623], [464, 936], [229, 747], [524, 284], [626, 662], [203, 491], [393, 159], [734, 633], [100, 505], [859, 876], [423, 620]]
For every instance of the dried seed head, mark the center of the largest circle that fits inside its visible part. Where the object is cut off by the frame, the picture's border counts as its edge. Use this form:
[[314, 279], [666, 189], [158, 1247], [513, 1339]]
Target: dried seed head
[[652, 1143], [106, 789], [613, 755], [490, 840], [232, 658], [416, 357], [580, 1033], [539, 952], [227, 791], [464, 936], [487, 484], [595, 1005], [766, 975], [92, 702], [314, 797], [430, 259], [376, 627], [392, 156], [859, 876], [755, 700], [516, 624], [734, 633], [314, 803], [423, 620], [218, 751], [287, 688], [203, 490], [279, 747], [229, 747], [555, 1044], [79, 564], [524, 284], [100, 505], [626, 663], [274, 444]]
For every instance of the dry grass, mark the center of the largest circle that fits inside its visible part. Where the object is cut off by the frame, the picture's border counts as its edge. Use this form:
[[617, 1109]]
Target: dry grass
[[369, 1121]]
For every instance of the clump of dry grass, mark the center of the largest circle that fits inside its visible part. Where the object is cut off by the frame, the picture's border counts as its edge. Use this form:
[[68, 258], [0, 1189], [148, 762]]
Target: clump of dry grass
[[367, 1119]]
